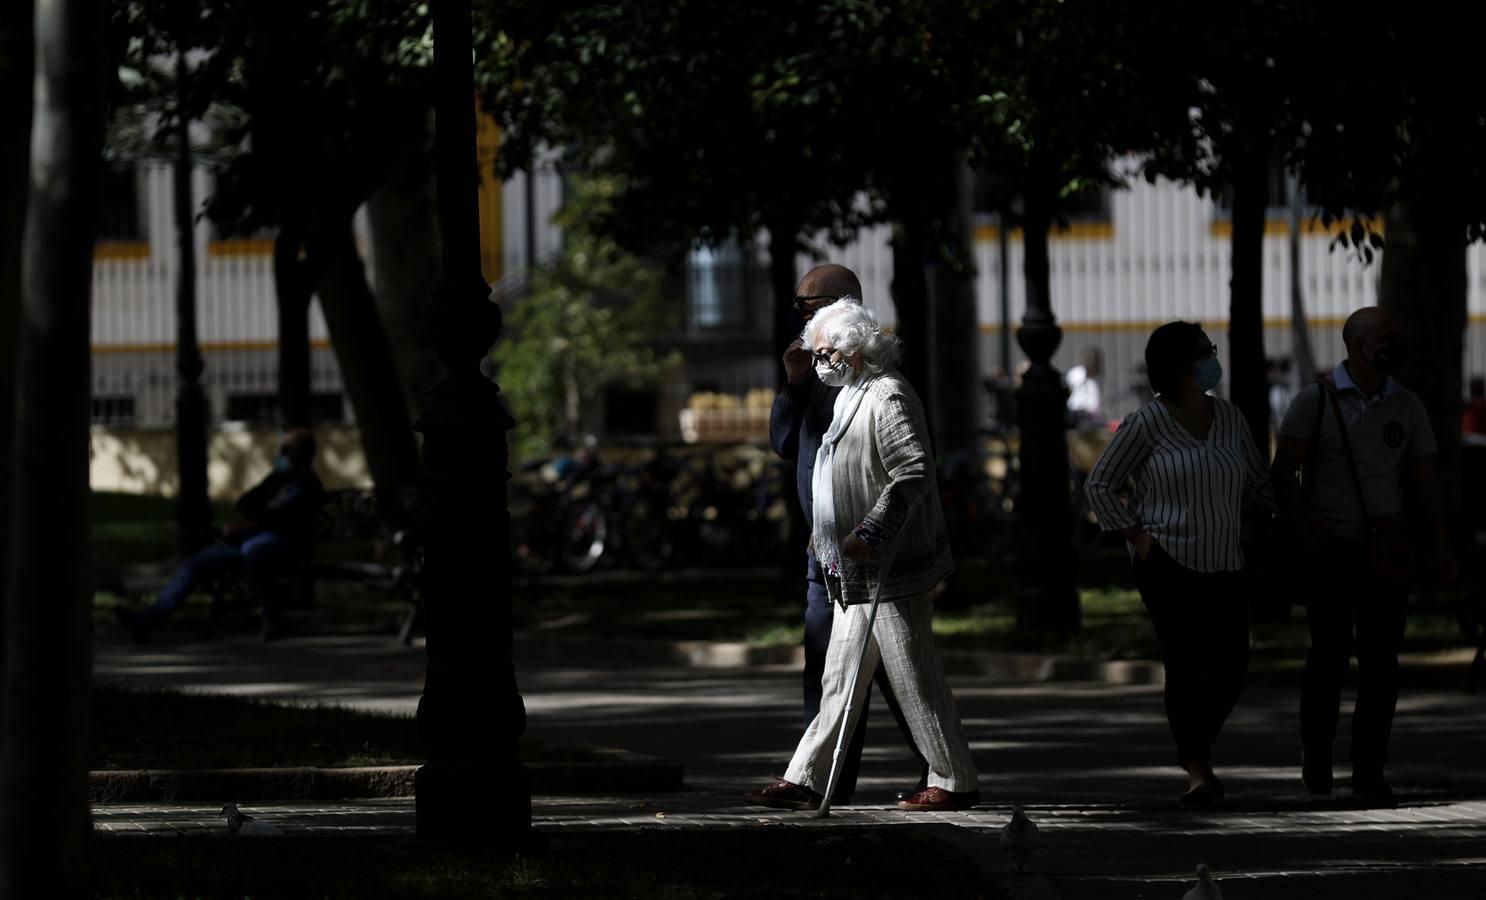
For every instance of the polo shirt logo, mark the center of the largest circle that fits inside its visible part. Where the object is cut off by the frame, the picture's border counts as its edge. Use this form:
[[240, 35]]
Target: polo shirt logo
[[1393, 435]]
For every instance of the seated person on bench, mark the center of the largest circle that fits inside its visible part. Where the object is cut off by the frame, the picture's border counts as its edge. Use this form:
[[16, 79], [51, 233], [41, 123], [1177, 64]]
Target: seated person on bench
[[279, 513]]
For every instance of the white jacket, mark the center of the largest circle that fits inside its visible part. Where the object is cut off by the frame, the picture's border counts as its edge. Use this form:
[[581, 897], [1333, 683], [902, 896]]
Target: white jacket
[[883, 475]]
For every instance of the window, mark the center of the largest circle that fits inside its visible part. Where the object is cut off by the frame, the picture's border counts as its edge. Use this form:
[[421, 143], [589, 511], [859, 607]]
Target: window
[[116, 411], [119, 215], [717, 287], [264, 408]]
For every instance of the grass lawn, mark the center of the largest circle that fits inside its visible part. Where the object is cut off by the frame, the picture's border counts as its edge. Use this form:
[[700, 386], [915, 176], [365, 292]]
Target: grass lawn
[[129, 529], [980, 614], [162, 729], [660, 863], [761, 608]]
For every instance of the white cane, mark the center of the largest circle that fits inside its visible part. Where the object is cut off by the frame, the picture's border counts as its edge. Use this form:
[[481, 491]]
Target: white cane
[[856, 673]]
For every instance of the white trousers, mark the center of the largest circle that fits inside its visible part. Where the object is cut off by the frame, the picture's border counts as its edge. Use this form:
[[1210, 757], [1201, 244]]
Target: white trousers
[[903, 639]]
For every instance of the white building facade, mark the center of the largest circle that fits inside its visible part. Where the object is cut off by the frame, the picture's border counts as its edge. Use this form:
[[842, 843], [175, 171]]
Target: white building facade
[[1150, 254]]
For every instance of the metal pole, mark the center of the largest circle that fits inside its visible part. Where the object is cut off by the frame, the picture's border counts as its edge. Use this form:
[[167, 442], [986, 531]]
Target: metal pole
[[1047, 597], [473, 789], [1003, 249]]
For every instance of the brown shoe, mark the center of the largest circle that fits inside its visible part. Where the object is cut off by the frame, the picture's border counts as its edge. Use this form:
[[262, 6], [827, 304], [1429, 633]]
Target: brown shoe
[[785, 795], [937, 799]]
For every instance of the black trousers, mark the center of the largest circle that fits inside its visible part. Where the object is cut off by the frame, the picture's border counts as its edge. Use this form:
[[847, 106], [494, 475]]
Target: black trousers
[[1202, 624], [1350, 611]]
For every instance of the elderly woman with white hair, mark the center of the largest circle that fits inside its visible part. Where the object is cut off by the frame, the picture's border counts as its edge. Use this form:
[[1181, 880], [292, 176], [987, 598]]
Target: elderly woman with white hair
[[876, 500]]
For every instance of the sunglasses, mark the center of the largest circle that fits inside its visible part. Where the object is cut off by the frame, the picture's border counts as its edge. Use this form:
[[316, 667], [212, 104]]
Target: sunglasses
[[803, 303]]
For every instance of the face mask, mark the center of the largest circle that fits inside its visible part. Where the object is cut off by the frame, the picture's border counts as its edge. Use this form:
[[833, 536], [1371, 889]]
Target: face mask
[[281, 463], [1391, 357], [1209, 373], [833, 374]]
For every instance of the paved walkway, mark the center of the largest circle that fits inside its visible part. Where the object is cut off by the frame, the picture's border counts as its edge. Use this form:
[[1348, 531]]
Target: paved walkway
[[1090, 761]]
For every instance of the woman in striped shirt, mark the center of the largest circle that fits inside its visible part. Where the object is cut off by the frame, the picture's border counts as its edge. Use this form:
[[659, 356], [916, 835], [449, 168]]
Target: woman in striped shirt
[[1190, 464]]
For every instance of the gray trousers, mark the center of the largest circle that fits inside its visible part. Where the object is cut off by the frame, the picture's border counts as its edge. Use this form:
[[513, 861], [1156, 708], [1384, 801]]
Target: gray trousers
[[903, 639]]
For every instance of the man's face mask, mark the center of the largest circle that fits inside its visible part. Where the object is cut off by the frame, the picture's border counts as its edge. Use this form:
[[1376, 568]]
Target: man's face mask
[[281, 463]]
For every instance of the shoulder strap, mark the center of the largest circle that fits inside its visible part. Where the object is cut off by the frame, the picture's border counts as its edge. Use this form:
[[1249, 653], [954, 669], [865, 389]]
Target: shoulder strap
[[1308, 465], [1341, 428]]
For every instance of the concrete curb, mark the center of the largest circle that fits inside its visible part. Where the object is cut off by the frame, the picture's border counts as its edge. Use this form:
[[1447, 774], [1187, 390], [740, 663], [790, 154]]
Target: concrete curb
[[1036, 667], [1011, 667], [631, 773], [535, 650]]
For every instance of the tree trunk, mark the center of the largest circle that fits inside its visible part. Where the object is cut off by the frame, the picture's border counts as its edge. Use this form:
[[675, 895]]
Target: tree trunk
[[404, 238], [783, 279], [17, 71], [292, 291], [1423, 284], [911, 300], [1248, 385], [45, 826], [954, 360], [1046, 564], [193, 510], [366, 364], [1302, 357], [786, 326]]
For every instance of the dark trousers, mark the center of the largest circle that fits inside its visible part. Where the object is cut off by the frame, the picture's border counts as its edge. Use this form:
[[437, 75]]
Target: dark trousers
[[819, 614], [1202, 625], [261, 556], [1351, 611]]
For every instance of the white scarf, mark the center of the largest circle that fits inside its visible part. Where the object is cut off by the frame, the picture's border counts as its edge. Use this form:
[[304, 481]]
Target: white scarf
[[827, 539]]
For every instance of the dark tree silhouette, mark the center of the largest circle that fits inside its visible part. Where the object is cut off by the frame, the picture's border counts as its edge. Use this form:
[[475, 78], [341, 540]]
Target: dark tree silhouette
[[44, 686]]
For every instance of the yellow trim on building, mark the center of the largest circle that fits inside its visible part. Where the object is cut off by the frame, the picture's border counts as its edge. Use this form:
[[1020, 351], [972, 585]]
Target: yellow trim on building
[[1076, 231], [240, 247], [206, 346], [487, 145], [115, 250], [1151, 325], [1476, 318], [1281, 227]]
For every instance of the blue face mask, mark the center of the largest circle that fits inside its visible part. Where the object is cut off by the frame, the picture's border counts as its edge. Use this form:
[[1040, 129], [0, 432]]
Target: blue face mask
[[281, 463], [1209, 373]]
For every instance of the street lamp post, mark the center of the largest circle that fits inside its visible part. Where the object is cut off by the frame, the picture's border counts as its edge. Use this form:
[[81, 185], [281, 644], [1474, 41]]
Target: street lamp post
[[473, 788], [1047, 596]]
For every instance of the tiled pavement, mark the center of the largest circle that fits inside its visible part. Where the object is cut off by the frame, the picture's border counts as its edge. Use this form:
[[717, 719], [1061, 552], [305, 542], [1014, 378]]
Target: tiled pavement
[[1096, 851], [1089, 761]]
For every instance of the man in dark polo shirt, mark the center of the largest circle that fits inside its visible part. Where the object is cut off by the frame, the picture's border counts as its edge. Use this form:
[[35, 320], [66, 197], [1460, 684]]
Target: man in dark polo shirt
[[799, 418], [1350, 605]]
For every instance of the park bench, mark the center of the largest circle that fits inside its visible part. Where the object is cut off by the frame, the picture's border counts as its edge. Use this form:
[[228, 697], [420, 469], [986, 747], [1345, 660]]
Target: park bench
[[368, 537]]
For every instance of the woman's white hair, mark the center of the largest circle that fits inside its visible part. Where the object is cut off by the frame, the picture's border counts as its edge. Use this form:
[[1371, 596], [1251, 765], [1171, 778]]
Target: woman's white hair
[[852, 328]]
